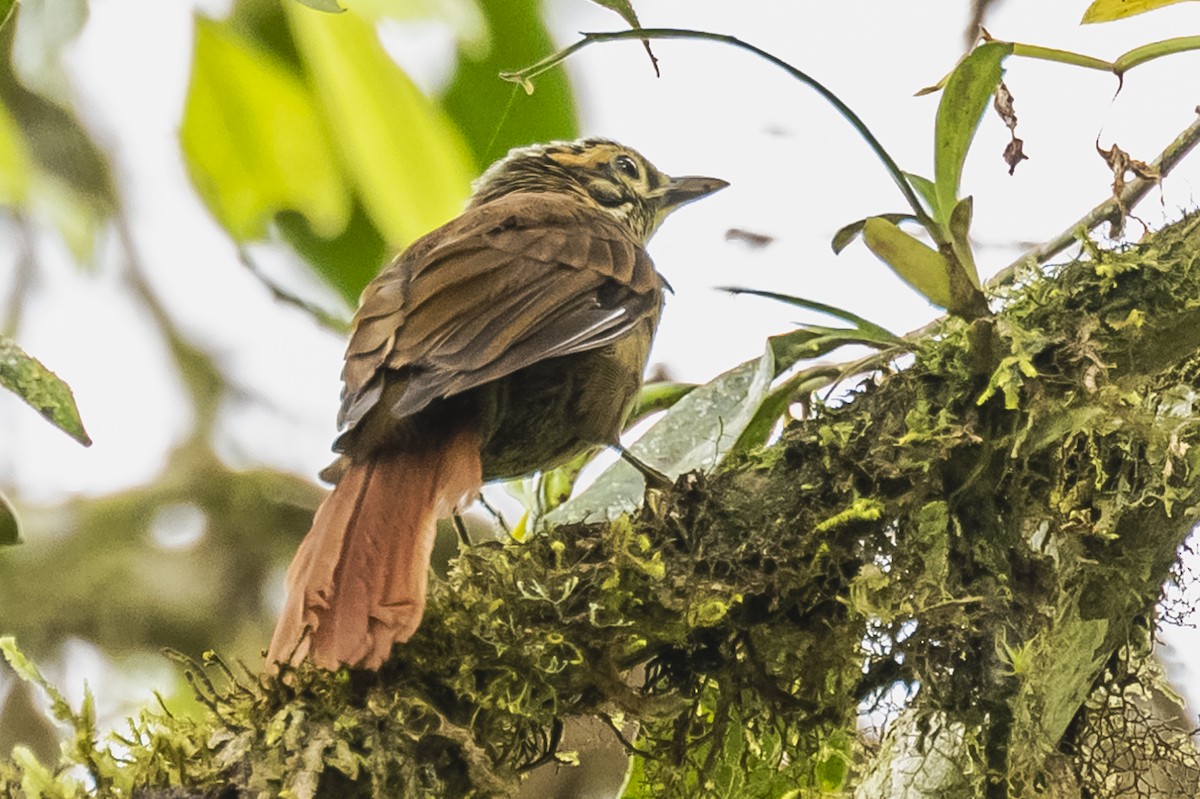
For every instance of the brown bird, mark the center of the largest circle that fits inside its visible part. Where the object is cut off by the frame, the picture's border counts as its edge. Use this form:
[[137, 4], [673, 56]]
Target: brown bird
[[505, 342]]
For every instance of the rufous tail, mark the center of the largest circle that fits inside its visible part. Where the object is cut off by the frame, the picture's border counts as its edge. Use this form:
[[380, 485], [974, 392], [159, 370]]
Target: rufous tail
[[358, 581]]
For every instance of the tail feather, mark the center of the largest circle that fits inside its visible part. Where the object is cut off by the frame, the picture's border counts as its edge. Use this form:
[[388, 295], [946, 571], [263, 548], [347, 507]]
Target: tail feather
[[358, 581]]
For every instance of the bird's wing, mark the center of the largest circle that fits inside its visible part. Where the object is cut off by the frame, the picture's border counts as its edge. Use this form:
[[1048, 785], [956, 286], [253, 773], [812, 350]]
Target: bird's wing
[[518, 280]]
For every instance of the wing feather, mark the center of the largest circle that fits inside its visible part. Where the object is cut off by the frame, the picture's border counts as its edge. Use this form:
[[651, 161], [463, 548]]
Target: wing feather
[[518, 280]]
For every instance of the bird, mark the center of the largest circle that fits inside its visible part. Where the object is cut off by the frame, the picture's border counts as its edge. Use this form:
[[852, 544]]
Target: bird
[[505, 342]]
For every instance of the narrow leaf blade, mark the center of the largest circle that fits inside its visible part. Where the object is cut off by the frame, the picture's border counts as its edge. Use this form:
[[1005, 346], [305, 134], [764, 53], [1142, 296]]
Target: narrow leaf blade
[[966, 96], [843, 238], [777, 402], [864, 326], [926, 190]]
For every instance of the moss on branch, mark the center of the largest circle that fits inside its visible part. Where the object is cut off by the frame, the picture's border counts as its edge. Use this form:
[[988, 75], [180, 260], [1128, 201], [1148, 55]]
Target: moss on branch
[[981, 531]]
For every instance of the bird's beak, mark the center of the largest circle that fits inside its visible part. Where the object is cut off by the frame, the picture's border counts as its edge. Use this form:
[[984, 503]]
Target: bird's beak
[[680, 191]]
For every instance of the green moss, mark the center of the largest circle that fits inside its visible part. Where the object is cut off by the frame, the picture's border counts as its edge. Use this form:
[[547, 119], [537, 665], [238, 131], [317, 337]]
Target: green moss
[[984, 528]]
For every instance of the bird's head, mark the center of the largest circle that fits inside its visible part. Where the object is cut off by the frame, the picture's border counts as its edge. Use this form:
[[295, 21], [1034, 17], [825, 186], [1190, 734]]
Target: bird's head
[[614, 178]]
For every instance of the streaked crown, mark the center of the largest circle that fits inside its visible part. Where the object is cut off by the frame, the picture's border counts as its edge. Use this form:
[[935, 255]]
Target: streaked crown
[[609, 176]]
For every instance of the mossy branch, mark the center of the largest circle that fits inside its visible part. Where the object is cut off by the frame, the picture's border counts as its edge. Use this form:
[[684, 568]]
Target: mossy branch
[[998, 553]]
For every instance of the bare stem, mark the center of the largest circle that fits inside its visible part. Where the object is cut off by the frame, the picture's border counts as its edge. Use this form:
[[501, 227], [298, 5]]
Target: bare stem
[[1130, 196], [337, 324], [23, 280]]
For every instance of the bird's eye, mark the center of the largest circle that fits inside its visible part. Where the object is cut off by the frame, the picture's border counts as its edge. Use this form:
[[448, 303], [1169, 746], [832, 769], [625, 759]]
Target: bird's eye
[[626, 164]]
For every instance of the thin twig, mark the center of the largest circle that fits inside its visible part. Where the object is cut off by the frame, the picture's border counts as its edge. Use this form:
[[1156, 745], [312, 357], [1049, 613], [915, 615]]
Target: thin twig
[[630, 747], [1131, 195], [23, 280], [337, 324]]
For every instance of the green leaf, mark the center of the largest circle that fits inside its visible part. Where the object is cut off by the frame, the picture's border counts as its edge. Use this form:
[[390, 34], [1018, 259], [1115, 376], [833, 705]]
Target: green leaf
[[694, 434], [254, 141], [960, 240], [1108, 10], [968, 90], [658, 396], [41, 389], [16, 163], [10, 529], [926, 190], [868, 331], [28, 671], [777, 403], [917, 264], [6, 9], [62, 174], [410, 166], [555, 486], [814, 341], [843, 238], [495, 115]]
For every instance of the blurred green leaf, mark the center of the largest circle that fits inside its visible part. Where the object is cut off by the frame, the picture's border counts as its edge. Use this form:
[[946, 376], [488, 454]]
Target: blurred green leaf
[[555, 486], [10, 530], [843, 238], [1109, 10], [16, 163], [966, 96], [410, 166], [41, 389], [254, 141], [331, 6], [69, 180], [694, 434], [495, 115], [917, 264], [6, 9]]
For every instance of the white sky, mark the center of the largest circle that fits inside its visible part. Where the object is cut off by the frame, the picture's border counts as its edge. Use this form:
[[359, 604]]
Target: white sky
[[797, 170]]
